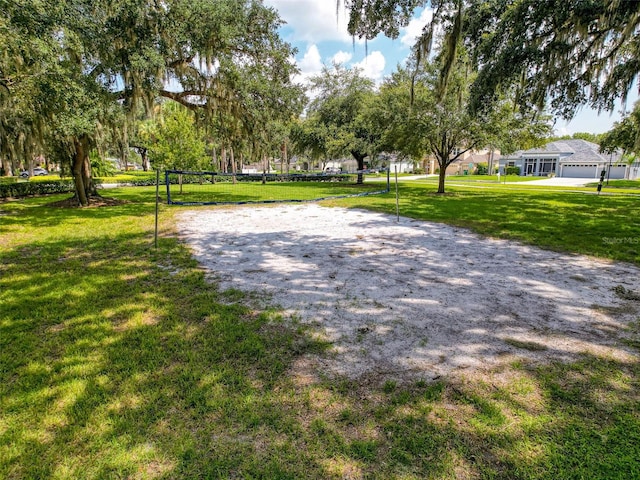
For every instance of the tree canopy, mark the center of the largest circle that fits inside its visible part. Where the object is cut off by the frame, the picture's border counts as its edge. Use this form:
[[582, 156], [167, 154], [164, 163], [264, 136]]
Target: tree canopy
[[337, 124], [74, 65], [625, 135], [567, 53]]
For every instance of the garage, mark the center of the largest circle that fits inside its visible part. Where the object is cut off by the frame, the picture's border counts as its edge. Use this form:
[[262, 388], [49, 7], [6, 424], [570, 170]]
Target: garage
[[617, 171], [580, 171]]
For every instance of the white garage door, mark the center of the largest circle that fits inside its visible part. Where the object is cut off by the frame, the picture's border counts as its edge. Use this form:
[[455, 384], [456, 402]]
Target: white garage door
[[580, 171], [617, 171]]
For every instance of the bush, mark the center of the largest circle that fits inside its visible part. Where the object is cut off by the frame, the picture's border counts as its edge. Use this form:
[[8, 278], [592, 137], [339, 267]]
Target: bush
[[101, 167], [482, 169], [24, 189], [8, 180], [513, 170]]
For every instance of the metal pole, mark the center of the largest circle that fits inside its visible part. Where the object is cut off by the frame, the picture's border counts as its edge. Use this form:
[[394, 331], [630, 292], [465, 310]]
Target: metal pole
[[155, 236], [397, 201]]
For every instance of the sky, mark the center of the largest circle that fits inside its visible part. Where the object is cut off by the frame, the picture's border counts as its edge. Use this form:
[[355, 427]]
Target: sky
[[319, 33]]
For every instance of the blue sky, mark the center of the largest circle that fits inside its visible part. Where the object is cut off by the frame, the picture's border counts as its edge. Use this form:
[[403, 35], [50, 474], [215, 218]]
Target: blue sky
[[321, 37]]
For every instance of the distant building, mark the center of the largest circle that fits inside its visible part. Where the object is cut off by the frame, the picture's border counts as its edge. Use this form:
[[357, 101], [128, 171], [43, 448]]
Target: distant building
[[467, 163], [569, 158]]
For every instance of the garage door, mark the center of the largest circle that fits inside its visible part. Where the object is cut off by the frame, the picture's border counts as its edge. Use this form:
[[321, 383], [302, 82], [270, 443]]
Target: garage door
[[580, 171], [617, 171]]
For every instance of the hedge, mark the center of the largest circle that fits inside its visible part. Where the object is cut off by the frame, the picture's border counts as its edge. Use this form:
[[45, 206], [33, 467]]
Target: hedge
[[24, 189]]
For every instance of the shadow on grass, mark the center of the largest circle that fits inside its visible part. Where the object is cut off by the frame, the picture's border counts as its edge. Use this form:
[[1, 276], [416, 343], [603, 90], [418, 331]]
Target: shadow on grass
[[561, 221], [120, 361]]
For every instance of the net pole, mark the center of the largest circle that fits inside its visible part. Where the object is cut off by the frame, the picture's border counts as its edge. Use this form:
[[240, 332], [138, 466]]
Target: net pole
[[155, 235], [397, 199], [166, 181]]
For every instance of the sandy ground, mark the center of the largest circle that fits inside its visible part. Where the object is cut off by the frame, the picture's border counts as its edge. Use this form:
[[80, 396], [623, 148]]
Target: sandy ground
[[413, 299]]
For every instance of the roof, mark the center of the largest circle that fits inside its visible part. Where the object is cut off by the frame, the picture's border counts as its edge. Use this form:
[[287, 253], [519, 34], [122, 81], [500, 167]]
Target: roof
[[573, 150]]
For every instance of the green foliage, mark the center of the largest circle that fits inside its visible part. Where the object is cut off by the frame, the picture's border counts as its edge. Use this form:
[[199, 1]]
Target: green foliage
[[78, 70], [624, 136], [567, 53], [23, 189], [589, 137], [422, 119], [338, 124], [101, 167], [513, 171], [482, 169], [175, 141]]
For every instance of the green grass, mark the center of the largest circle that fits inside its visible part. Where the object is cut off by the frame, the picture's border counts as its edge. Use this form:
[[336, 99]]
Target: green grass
[[482, 179], [627, 184], [565, 220], [118, 360], [271, 191]]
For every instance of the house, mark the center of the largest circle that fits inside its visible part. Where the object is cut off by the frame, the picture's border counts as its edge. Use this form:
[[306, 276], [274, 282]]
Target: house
[[467, 163], [568, 158]]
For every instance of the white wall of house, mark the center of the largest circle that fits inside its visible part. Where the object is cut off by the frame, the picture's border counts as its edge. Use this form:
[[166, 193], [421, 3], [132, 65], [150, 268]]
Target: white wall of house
[[403, 167], [511, 162]]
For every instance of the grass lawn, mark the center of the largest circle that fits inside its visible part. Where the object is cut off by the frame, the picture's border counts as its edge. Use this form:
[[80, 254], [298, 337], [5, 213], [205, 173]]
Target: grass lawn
[[271, 191], [627, 184], [553, 218], [118, 360], [482, 179]]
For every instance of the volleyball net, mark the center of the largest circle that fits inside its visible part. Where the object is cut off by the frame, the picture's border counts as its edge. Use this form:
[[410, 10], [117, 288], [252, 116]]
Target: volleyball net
[[213, 188]]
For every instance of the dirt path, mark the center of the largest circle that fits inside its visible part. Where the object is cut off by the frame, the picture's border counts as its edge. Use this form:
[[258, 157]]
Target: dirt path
[[415, 299]]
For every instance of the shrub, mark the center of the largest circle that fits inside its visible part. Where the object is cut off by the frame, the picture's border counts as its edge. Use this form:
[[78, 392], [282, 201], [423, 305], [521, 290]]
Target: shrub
[[513, 170], [24, 189], [482, 169], [8, 180]]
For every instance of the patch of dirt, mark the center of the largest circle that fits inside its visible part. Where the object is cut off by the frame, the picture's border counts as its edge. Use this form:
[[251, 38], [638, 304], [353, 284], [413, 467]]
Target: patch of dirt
[[411, 299], [94, 202]]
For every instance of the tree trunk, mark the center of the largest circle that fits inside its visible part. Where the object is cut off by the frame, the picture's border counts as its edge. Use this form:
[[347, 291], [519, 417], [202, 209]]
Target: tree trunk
[[441, 178], [78, 169], [144, 158], [233, 164], [223, 160], [264, 169], [360, 160], [6, 167], [284, 161]]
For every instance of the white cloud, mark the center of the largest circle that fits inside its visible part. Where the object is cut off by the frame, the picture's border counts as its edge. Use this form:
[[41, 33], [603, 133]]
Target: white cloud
[[372, 66], [414, 30], [311, 63], [341, 57], [313, 20]]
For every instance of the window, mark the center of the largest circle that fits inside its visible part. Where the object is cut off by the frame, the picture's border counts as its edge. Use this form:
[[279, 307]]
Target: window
[[548, 165]]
